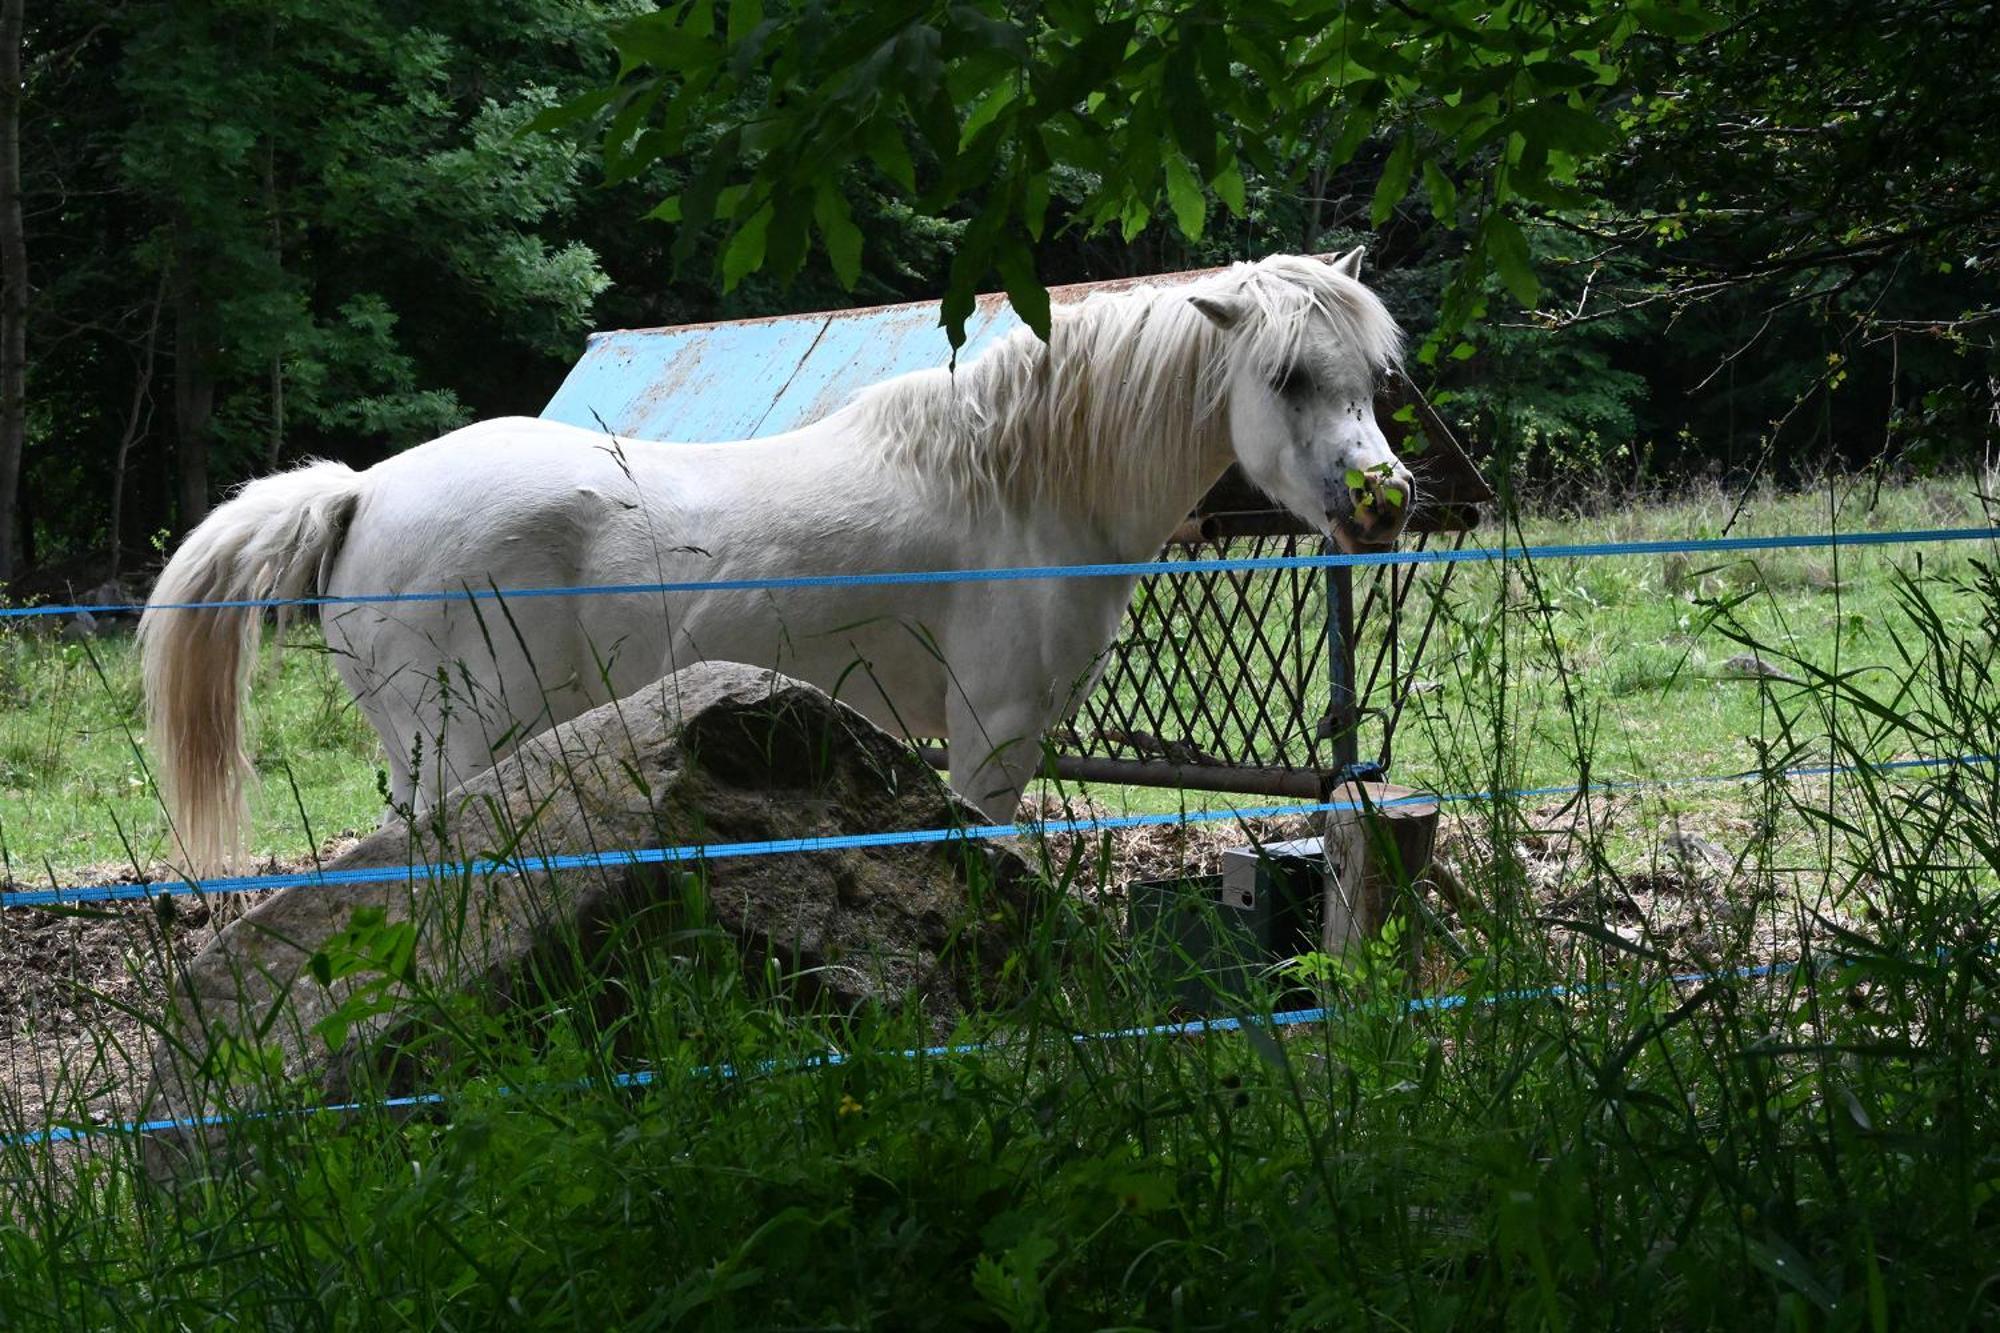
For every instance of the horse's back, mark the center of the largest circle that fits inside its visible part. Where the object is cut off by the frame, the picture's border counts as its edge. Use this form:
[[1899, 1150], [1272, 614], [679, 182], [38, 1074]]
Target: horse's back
[[505, 506]]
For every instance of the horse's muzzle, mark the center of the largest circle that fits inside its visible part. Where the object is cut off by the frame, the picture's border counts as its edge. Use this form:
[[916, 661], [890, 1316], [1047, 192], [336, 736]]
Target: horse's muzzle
[[1375, 512]]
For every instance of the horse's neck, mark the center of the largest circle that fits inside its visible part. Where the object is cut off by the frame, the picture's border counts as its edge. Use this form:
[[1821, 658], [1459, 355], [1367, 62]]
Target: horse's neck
[[1141, 531]]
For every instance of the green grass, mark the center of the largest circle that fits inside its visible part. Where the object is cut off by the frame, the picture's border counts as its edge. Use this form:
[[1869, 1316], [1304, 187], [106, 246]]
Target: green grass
[[75, 786], [1816, 1147]]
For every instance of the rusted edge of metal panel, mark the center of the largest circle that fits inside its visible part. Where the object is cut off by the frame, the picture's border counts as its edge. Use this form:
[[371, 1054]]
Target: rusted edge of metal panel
[[1066, 294]]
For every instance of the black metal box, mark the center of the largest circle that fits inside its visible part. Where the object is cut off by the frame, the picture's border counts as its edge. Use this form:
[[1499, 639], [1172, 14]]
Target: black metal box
[[1207, 938]]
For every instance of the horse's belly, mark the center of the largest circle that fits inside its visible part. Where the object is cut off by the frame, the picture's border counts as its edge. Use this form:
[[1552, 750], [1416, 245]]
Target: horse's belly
[[881, 661]]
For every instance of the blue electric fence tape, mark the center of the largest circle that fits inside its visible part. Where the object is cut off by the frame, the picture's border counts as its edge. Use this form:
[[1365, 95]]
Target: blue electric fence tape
[[832, 1059], [59, 896], [1014, 574]]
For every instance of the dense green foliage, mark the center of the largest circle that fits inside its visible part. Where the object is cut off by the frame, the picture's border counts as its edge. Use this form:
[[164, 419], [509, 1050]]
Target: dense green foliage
[[1633, 240], [1688, 226], [1172, 101]]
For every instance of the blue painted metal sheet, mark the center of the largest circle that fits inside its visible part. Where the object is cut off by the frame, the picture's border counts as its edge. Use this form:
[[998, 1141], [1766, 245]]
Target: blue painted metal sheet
[[708, 382], [866, 348], [752, 378]]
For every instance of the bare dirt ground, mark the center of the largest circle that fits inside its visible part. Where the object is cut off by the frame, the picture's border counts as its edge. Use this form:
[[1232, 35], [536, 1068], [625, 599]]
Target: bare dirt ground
[[79, 987]]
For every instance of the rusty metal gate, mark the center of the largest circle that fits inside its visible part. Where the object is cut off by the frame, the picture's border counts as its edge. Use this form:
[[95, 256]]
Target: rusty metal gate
[[1261, 682]]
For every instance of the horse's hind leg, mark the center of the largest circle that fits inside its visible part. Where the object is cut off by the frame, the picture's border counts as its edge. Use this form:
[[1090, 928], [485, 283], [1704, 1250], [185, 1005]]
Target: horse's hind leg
[[430, 713]]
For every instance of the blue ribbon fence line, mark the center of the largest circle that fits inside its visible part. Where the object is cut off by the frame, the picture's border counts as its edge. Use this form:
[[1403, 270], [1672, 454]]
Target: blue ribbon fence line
[[58, 896], [76, 1133], [1015, 574]]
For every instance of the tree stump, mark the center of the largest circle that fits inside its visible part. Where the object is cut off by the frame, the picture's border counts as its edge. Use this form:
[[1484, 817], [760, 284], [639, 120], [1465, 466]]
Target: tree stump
[[1373, 855]]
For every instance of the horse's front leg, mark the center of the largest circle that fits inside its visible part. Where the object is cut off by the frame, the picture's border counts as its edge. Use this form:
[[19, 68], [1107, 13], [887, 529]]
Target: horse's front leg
[[996, 746], [1001, 698]]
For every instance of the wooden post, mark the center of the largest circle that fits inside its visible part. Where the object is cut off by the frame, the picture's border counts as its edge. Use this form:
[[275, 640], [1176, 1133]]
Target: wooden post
[[1372, 853]]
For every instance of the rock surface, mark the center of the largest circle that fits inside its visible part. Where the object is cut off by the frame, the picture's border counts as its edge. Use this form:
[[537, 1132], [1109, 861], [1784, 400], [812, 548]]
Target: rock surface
[[717, 753]]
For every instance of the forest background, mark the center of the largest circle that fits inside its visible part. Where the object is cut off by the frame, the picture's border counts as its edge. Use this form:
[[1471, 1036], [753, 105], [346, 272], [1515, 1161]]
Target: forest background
[[1633, 243]]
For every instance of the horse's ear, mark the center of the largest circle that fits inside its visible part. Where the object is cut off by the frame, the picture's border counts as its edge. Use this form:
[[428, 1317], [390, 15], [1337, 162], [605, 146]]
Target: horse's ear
[[1349, 264], [1225, 312]]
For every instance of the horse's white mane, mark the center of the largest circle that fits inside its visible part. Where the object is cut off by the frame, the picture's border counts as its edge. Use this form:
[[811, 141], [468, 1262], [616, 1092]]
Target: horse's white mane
[[1039, 422]]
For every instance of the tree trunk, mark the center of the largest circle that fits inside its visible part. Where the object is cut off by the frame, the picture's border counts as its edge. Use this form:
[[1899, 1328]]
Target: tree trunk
[[14, 281], [138, 420], [194, 390], [1316, 183], [277, 409], [277, 437]]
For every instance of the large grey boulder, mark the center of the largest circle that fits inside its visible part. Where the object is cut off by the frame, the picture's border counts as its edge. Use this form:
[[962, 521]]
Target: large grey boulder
[[716, 753]]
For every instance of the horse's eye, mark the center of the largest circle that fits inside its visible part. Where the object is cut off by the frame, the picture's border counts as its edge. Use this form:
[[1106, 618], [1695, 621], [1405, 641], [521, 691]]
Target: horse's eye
[[1293, 382]]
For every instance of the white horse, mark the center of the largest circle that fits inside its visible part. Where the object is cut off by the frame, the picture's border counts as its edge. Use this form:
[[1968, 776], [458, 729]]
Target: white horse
[[1089, 448]]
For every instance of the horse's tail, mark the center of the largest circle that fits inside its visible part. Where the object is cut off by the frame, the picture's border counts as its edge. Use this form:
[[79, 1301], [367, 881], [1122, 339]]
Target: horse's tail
[[274, 539]]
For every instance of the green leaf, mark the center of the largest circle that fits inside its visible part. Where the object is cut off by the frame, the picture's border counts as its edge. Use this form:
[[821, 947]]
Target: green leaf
[[564, 114], [1228, 186], [1267, 1046], [1444, 195], [728, 199], [1395, 182], [667, 210], [987, 110], [842, 237], [1187, 109], [919, 60], [1676, 19], [1508, 249], [968, 265], [1777, 1257], [990, 32], [622, 160], [1556, 125], [1184, 194], [745, 254], [1606, 936], [1035, 203], [1561, 74], [1355, 128], [1135, 219], [787, 238], [1142, 1192], [883, 142], [744, 16], [656, 40], [1024, 290]]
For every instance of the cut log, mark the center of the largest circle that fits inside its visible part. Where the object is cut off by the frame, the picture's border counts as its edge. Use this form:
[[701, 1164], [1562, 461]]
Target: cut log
[[1374, 855]]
